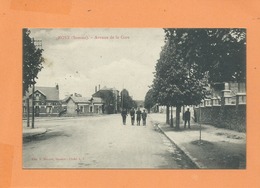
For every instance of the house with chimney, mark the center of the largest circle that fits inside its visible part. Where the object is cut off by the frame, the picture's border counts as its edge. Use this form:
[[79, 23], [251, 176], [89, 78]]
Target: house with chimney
[[109, 97], [46, 101]]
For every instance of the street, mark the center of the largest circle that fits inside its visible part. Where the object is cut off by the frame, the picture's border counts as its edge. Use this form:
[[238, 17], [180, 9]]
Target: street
[[101, 142]]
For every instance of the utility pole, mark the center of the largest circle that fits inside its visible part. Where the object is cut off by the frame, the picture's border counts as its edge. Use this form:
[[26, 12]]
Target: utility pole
[[33, 105], [122, 98], [38, 44]]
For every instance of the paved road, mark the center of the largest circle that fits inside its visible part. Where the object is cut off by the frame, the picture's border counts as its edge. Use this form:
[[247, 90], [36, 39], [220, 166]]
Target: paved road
[[100, 142]]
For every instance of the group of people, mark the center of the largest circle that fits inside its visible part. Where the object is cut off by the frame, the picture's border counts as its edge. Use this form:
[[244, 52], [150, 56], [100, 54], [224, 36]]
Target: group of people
[[139, 115]]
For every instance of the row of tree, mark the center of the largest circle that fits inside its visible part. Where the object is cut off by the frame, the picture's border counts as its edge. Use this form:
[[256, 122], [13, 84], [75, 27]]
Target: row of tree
[[193, 58], [113, 103], [32, 65], [127, 101], [32, 61]]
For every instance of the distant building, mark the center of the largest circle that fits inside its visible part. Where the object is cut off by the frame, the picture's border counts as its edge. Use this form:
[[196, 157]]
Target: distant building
[[139, 103], [110, 99], [84, 105], [225, 93], [46, 101]]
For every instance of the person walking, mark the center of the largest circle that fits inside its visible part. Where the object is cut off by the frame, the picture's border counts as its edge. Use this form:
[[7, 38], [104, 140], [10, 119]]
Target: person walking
[[187, 118], [144, 115], [132, 114], [124, 114], [138, 116]]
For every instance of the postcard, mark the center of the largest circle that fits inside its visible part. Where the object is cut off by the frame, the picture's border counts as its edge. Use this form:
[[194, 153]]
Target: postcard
[[139, 94]]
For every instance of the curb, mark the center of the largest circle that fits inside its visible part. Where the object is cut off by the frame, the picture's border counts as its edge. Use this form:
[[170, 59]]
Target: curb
[[193, 160], [27, 135]]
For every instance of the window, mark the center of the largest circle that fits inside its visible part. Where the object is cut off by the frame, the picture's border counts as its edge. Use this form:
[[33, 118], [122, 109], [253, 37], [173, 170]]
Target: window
[[37, 97]]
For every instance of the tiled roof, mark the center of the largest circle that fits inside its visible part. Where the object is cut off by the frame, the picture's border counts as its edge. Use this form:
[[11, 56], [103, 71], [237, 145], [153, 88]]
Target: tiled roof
[[104, 90], [51, 93], [80, 99], [86, 100]]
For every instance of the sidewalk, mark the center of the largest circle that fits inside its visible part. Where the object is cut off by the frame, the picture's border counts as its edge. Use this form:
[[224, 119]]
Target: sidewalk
[[218, 148], [28, 132]]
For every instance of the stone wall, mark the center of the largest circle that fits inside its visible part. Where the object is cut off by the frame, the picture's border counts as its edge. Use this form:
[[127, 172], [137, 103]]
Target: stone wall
[[227, 116]]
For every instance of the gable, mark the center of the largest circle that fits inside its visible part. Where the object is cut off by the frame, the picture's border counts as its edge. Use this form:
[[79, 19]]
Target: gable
[[51, 93], [40, 93]]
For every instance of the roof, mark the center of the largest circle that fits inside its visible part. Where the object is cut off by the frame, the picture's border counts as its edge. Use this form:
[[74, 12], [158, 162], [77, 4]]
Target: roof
[[104, 90], [86, 100], [80, 99], [107, 88], [51, 93]]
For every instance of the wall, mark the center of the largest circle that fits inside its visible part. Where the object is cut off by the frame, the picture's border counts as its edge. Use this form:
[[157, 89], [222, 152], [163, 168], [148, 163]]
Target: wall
[[71, 107], [228, 116]]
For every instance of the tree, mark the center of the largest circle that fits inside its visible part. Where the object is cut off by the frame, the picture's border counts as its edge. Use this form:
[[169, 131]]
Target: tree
[[219, 53], [175, 82], [149, 101], [109, 100], [127, 101], [193, 57], [32, 61]]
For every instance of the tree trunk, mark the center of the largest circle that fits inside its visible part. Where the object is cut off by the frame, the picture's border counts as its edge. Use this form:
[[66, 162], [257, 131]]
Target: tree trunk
[[33, 106], [178, 110], [183, 111], [167, 114], [28, 112], [171, 118]]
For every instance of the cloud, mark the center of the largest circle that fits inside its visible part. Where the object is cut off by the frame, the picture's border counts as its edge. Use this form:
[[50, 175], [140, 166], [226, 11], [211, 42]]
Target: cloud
[[80, 65], [132, 75]]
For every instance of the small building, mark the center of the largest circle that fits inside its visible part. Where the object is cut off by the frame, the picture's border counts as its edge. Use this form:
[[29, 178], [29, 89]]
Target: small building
[[110, 99], [84, 105], [46, 101], [139, 103]]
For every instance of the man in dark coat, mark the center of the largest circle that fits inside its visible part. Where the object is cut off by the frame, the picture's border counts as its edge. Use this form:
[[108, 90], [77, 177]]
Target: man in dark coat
[[144, 115], [132, 114], [138, 116], [187, 118], [124, 114]]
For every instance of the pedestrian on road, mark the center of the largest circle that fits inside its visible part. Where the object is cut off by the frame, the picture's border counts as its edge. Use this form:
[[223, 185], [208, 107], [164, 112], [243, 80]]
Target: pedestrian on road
[[124, 114], [77, 110], [187, 118], [138, 116], [144, 115], [132, 114]]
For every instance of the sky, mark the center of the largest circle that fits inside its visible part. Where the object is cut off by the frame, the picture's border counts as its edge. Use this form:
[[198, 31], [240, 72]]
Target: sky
[[79, 59]]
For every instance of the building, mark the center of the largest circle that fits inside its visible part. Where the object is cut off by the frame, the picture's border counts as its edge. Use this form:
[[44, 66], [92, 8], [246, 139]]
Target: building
[[84, 105], [225, 106], [46, 101], [139, 103], [110, 99]]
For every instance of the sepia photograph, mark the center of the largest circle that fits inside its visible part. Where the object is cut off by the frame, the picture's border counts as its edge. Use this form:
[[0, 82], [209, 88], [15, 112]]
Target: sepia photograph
[[134, 98]]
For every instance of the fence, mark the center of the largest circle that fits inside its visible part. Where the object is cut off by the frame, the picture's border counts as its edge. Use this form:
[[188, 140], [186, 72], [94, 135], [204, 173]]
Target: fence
[[226, 112]]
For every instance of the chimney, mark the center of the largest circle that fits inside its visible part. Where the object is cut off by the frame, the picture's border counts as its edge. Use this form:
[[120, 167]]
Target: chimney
[[98, 87], [95, 89], [57, 86]]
